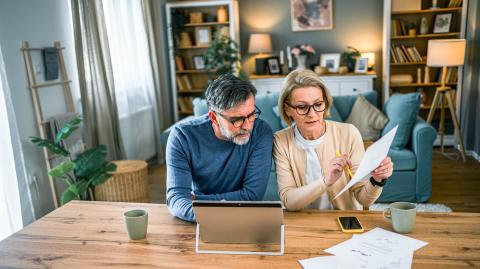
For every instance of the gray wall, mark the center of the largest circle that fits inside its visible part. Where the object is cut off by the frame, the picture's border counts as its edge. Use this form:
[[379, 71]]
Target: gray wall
[[470, 103], [40, 23], [355, 23]]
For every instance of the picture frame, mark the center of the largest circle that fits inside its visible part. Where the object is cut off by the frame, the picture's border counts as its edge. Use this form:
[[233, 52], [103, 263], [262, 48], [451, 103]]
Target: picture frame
[[273, 66], [361, 65], [311, 15], [442, 23], [203, 36], [331, 61], [198, 62]]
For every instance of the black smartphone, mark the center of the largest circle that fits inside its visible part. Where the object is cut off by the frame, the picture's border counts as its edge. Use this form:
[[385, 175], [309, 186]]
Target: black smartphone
[[350, 225]]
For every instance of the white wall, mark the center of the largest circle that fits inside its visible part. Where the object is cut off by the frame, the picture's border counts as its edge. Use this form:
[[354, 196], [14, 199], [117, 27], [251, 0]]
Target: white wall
[[40, 23]]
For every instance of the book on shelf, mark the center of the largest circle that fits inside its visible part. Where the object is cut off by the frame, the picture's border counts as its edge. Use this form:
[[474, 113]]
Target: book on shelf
[[455, 3], [179, 64], [180, 84], [187, 83], [403, 54]]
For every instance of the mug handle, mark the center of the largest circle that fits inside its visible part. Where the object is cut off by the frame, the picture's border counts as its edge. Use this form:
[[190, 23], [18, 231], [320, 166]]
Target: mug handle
[[389, 215]]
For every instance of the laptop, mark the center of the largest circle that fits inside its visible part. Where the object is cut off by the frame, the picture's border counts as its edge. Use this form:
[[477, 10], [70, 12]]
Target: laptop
[[250, 222]]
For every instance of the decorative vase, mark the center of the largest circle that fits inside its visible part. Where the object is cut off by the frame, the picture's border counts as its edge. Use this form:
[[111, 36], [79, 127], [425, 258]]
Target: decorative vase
[[301, 61], [222, 14], [423, 26]]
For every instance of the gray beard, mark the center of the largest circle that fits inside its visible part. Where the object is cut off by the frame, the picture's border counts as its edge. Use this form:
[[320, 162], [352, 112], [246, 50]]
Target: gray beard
[[231, 136]]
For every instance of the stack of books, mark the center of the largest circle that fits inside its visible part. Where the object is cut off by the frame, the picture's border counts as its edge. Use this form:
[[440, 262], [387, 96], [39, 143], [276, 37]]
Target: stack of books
[[404, 54]]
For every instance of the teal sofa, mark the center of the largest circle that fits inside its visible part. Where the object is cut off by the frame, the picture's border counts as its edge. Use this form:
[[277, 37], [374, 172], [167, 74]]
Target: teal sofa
[[412, 177]]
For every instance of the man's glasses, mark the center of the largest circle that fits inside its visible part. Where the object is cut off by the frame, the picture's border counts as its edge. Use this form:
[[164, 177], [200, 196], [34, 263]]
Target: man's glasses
[[237, 122], [305, 109]]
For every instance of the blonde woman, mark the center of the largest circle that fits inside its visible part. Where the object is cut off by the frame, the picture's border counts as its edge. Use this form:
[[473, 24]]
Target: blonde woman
[[309, 173]]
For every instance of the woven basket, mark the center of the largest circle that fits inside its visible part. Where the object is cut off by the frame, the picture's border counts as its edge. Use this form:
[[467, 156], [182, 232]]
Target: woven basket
[[128, 184]]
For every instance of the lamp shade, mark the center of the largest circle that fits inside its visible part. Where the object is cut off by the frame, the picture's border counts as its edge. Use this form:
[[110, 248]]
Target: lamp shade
[[370, 56], [446, 52], [260, 43]]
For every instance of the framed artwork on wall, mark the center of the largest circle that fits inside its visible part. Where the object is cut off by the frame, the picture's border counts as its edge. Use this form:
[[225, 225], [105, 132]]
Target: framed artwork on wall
[[308, 15]]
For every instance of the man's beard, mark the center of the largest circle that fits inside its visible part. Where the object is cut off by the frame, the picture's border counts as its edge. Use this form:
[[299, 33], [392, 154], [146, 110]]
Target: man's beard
[[234, 136]]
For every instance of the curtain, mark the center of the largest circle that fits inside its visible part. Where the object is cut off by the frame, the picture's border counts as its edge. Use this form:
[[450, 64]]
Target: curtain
[[12, 168], [155, 28], [99, 105], [133, 78]]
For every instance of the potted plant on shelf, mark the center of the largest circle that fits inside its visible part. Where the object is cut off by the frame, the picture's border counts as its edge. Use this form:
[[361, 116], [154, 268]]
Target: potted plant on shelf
[[87, 170], [349, 57], [223, 57]]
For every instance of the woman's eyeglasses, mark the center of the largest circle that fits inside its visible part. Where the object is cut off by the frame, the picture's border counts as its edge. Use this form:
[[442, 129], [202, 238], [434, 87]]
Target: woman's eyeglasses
[[305, 109]]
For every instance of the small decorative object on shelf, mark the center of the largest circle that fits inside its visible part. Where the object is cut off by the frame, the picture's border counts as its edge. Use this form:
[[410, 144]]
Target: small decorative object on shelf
[[331, 61], [423, 26], [301, 53], [434, 4], [196, 17], [419, 75], [442, 23], [185, 40], [222, 14], [412, 29], [426, 80]]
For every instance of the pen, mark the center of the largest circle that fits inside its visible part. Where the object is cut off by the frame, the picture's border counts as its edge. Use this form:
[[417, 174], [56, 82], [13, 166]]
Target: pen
[[346, 166]]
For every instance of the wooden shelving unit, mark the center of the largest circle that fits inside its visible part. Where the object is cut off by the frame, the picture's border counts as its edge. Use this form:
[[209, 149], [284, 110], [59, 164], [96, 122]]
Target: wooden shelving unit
[[398, 22], [188, 79]]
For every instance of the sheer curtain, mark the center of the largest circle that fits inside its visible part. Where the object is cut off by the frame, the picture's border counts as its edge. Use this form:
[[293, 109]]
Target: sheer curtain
[[133, 78], [10, 207]]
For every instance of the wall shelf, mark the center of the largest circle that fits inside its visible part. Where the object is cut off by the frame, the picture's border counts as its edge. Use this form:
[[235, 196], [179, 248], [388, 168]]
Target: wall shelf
[[423, 11]]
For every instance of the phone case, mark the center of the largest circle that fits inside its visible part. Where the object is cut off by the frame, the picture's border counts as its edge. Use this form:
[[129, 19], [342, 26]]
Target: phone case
[[350, 230]]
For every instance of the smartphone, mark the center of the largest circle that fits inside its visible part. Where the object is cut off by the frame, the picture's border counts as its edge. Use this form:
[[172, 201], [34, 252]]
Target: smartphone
[[350, 225]]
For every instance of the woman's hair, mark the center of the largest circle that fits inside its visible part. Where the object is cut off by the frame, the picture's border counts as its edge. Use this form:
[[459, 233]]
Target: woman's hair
[[299, 79]]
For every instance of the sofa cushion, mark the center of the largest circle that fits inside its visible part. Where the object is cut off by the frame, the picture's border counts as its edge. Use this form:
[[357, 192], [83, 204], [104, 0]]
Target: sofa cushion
[[403, 159], [334, 114], [401, 110], [277, 113], [345, 103], [199, 107], [368, 119]]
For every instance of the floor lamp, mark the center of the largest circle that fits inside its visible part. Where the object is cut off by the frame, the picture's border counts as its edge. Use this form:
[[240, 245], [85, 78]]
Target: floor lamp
[[445, 53]]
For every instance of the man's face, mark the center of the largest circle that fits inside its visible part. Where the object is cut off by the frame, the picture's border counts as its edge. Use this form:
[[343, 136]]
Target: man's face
[[238, 135]]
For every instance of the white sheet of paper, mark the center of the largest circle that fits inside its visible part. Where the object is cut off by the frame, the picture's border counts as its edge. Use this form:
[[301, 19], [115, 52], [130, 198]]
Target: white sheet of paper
[[394, 239], [330, 262], [372, 158]]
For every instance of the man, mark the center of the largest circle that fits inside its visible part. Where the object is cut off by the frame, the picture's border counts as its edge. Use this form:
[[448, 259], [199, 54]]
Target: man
[[225, 155]]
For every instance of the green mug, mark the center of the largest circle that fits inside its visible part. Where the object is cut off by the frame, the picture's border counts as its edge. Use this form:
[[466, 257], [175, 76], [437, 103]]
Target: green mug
[[136, 221], [402, 215]]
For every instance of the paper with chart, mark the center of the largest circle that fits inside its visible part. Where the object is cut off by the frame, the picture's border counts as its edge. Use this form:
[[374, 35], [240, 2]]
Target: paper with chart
[[372, 158]]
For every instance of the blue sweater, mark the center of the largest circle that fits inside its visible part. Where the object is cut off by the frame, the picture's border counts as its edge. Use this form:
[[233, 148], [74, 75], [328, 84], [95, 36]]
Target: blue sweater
[[215, 169]]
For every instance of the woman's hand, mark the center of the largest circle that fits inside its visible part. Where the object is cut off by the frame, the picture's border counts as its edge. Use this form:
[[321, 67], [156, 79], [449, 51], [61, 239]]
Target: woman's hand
[[384, 170], [335, 169]]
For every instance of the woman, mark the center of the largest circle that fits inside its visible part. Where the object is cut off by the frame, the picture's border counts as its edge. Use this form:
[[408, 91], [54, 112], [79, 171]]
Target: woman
[[309, 173]]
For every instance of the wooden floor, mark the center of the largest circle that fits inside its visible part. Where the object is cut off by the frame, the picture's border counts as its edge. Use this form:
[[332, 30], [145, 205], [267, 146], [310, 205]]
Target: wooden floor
[[455, 184]]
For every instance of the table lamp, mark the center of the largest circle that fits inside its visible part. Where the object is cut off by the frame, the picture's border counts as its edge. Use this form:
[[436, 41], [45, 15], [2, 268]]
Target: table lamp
[[260, 43], [445, 53], [371, 59]]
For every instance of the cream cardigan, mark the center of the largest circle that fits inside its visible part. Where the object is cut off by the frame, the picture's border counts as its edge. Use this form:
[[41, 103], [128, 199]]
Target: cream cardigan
[[290, 161]]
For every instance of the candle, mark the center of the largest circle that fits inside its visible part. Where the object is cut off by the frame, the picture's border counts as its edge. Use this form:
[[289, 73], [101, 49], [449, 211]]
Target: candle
[[281, 57], [289, 57]]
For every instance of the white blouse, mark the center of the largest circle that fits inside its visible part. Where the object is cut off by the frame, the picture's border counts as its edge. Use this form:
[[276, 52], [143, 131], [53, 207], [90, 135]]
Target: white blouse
[[314, 170]]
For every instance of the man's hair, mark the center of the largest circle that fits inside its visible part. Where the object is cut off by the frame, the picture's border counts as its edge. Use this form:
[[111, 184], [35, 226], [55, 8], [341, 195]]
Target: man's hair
[[228, 91]]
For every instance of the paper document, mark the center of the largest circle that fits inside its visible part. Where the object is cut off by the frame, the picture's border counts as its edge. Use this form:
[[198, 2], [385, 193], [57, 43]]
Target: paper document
[[372, 158], [330, 262]]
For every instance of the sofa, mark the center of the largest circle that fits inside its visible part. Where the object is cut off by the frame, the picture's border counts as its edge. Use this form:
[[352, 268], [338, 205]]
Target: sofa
[[412, 176]]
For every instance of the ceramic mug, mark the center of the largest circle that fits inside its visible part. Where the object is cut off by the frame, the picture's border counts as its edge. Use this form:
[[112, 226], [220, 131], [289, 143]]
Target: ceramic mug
[[136, 222], [402, 215]]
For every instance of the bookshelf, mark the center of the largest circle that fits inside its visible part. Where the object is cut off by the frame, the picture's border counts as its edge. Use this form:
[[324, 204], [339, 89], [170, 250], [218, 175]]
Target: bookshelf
[[191, 27], [405, 52]]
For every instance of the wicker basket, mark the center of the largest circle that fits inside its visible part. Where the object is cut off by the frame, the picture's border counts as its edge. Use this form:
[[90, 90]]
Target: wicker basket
[[128, 184]]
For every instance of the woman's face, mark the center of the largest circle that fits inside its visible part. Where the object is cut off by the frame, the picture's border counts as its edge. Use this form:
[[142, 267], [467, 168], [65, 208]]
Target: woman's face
[[307, 106]]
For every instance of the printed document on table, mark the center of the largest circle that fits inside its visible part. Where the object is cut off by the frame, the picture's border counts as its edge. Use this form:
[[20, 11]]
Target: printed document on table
[[330, 262], [372, 158]]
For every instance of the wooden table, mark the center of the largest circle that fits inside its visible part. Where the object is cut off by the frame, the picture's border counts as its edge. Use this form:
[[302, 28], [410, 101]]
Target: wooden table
[[92, 234]]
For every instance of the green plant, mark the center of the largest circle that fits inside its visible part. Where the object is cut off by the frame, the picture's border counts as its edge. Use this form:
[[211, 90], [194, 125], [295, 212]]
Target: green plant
[[178, 25], [223, 56], [88, 170], [350, 56]]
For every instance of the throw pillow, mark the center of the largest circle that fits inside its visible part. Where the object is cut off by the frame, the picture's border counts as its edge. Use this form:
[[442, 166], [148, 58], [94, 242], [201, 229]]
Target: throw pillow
[[401, 110], [368, 119]]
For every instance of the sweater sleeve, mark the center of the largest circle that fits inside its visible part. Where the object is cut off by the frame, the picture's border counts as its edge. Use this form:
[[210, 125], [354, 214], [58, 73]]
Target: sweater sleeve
[[257, 171], [365, 193], [179, 177], [293, 197]]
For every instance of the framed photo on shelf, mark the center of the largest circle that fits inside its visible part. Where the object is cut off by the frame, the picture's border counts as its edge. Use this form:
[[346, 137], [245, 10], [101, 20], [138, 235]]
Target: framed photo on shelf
[[273, 65], [442, 23], [203, 35], [331, 61], [361, 65], [198, 62], [311, 15]]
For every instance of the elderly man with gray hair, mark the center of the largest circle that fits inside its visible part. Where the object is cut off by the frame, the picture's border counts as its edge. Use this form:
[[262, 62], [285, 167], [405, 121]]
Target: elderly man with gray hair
[[224, 155]]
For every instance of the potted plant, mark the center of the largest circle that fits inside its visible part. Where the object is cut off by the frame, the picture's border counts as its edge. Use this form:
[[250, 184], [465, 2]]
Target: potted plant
[[349, 57], [301, 53], [223, 57], [87, 170]]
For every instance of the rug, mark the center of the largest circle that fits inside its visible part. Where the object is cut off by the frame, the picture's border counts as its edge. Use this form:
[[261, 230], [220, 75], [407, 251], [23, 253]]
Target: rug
[[421, 207]]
